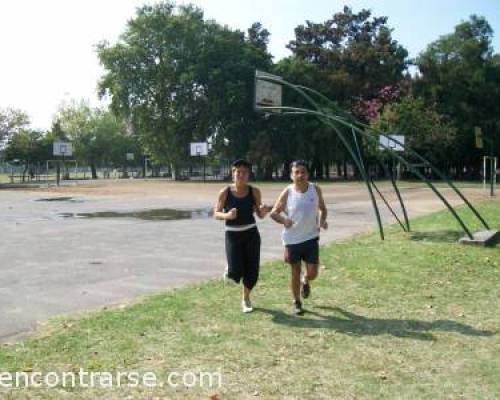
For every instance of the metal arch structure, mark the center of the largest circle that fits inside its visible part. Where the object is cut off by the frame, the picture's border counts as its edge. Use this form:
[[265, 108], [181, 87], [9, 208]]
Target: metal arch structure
[[340, 121]]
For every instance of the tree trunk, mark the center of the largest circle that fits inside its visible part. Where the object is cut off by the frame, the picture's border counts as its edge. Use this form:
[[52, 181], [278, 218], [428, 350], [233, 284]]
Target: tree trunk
[[268, 172], [286, 169], [93, 169], [175, 172]]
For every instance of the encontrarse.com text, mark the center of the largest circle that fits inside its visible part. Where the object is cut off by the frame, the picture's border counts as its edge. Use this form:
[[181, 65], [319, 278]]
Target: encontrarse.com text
[[93, 379]]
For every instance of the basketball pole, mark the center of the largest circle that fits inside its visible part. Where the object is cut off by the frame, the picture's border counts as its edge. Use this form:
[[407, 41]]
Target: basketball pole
[[268, 99], [484, 172], [493, 169]]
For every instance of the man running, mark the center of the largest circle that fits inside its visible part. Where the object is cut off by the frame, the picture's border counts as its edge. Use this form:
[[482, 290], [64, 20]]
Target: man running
[[305, 213]]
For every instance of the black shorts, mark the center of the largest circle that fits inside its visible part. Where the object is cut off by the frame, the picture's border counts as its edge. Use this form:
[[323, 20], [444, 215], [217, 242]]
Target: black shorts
[[307, 251], [243, 256]]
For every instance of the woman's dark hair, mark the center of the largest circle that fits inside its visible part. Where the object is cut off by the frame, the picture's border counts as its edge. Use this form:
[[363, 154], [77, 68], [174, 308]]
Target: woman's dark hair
[[241, 163], [298, 163]]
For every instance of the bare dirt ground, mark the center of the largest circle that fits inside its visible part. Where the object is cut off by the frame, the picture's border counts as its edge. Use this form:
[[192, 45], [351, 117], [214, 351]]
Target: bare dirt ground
[[207, 192]]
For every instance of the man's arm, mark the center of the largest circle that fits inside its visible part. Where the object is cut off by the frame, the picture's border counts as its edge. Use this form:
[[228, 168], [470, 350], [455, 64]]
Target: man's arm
[[219, 206], [323, 212], [280, 207]]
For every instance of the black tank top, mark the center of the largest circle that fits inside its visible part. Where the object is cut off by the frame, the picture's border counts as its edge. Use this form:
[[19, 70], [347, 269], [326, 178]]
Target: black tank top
[[244, 205]]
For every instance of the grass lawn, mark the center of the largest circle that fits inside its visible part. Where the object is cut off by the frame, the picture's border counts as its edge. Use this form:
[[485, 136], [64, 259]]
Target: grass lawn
[[415, 317]]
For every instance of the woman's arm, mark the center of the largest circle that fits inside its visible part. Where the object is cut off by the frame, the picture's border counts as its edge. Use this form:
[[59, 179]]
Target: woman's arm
[[219, 206], [260, 209]]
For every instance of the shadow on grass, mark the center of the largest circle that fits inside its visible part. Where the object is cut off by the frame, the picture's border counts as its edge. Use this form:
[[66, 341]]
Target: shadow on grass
[[357, 325], [437, 236]]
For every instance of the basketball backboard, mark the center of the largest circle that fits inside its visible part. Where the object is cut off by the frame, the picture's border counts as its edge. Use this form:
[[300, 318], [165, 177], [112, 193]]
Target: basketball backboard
[[267, 94]]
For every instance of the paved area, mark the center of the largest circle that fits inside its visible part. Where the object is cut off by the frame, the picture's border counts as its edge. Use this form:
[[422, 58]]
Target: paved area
[[52, 265]]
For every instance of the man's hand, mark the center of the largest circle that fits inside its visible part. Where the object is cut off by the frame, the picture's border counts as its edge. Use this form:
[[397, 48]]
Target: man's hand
[[323, 225], [232, 214], [264, 210], [288, 223]]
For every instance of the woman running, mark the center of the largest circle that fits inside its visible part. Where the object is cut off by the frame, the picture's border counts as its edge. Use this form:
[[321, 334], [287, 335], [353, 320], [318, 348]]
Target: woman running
[[236, 205]]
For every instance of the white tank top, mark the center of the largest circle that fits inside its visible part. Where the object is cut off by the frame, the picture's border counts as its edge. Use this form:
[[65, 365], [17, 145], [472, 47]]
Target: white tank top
[[302, 209]]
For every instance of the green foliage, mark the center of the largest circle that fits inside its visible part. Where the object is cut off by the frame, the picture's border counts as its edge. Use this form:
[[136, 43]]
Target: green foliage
[[349, 58], [99, 137], [28, 147], [425, 130], [354, 54], [180, 78], [460, 76], [175, 78], [12, 121]]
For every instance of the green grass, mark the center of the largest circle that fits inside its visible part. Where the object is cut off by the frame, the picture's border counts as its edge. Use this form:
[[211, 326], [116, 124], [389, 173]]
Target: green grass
[[415, 316]]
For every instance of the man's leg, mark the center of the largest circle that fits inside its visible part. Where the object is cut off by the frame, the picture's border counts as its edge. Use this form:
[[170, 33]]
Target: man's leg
[[295, 287], [311, 272], [311, 258], [295, 282], [293, 259]]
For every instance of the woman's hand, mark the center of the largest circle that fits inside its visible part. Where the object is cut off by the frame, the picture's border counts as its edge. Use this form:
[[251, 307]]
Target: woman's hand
[[232, 214]]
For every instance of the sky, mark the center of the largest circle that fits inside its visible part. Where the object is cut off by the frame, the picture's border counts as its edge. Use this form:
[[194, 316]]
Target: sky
[[47, 48]]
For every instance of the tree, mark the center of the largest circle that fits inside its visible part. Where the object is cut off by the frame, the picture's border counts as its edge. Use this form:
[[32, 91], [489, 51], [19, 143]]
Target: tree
[[28, 147], [426, 131], [460, 76], [352, 59], [179, 79], [99, 137], [12, 121], [258, 36], [354, 54]]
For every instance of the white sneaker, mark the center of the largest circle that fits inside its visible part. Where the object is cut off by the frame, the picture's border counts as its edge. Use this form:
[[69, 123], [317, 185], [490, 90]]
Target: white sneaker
[[246, 306], [227, 280]]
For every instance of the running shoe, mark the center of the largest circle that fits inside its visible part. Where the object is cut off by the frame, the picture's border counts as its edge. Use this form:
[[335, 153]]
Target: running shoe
[[246, 306], [297, 307]]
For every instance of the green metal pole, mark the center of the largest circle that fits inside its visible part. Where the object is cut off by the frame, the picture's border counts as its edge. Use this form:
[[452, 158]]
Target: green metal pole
[[429, 164], [438, 172], [297, 110], [400, 198], [353, 155], [388, 205], [492, 167], [368, 183], [431, 186]]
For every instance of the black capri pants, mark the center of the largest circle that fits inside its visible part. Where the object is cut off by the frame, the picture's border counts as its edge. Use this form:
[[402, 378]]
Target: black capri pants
[[243, 256]]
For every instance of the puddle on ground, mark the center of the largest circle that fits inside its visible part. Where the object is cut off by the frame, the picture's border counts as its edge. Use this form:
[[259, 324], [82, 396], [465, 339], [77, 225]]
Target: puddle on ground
[[161, 214], [64, 198]]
